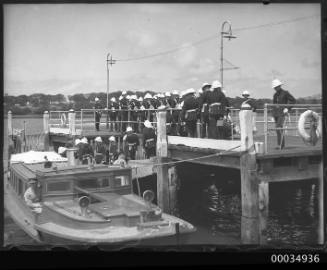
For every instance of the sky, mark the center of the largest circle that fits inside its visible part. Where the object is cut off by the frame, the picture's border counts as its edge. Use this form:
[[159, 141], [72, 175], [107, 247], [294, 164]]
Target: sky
[[62, 48]]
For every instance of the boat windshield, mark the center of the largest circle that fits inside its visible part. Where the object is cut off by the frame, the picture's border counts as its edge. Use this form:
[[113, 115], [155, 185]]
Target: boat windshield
[[116, 181]]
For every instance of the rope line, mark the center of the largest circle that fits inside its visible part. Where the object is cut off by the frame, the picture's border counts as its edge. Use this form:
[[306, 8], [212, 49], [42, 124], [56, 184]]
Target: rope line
[[191, 159]]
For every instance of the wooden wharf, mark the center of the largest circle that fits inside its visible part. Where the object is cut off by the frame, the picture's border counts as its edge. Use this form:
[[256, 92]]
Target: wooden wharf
[[257, 168]]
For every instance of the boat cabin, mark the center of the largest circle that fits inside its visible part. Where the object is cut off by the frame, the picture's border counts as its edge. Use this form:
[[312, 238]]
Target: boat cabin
[[62, 181]]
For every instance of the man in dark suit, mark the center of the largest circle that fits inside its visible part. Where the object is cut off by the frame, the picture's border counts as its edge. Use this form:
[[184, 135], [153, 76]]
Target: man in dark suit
[[281, 96]]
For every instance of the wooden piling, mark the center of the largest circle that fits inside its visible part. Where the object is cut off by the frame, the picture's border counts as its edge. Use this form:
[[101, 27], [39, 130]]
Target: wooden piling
[[46, 129], [321, 227], [249, 182], [71, 119], [162, 170], [10, 129], [173, 186]]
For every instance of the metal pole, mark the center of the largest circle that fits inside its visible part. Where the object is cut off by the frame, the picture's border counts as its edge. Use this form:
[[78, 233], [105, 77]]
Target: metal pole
[[108, 80], [265, 116]]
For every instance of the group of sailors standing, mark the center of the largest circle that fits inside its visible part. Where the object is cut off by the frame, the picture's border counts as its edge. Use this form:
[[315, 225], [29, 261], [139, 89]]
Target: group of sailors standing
[[209, 106], [111, 152]]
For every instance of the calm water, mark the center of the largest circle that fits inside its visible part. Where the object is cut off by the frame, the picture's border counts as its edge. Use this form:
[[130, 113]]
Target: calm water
[[209, 198]]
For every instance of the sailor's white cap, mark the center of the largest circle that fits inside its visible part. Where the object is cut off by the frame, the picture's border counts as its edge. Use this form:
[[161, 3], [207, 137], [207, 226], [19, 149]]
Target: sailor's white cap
[[120, 98], [128, 129], [147, 95], [77, 141], [140, 99], [147, 124], [189, 91], [84, 140], [124, 92], [96, 99], [200, 91], [216, 84], [112, 139], [98, 139], [205, 84], [128, 97], [61, 150], [113, 99], [175, 92], [245, 93], [133, 97], [167, 94], [276, 83]]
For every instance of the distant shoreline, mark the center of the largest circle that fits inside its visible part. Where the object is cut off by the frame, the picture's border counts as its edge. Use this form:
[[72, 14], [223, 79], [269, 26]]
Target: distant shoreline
[[24, 116]]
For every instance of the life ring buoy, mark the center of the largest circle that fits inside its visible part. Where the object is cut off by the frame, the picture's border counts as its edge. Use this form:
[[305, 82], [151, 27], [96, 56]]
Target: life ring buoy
[[309, 138], [63, 120]]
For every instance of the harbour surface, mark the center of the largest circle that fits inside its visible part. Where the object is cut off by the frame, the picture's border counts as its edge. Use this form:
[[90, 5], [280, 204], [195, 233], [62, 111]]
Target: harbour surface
[[209, 198]]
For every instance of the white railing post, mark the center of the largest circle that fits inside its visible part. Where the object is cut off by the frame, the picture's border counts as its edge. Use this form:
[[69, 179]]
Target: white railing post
[[71, 119], [10, 130], [46, 129]]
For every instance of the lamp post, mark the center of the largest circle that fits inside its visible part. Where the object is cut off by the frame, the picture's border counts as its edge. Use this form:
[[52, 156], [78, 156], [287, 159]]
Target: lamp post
[[109, 62], [224, 34]]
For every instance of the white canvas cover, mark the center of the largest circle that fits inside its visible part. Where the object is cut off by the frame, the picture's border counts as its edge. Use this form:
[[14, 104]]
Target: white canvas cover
[[32, 157]]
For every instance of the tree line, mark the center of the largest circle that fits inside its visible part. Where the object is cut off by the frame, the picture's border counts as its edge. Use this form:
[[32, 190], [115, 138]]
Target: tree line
[[38, 103]]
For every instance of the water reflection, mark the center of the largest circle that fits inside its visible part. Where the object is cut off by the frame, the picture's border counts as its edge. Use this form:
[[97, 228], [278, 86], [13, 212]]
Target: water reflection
[[211, 199]]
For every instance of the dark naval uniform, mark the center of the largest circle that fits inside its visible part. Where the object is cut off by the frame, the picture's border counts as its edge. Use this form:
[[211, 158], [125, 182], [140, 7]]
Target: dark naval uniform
[[174, 115], [190, 114], [216, 101], [112, 153], [113, 107], [149, 142], [123, 115], [281, 97], [132, 142], [85, 150], [204, 113], [97, 108], [100, 152]]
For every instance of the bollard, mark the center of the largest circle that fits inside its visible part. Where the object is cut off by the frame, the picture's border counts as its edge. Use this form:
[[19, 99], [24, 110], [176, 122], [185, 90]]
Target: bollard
[[71, 156]]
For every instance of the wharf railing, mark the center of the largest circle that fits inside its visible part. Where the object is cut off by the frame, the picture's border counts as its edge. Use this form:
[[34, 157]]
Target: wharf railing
[[117, 119]]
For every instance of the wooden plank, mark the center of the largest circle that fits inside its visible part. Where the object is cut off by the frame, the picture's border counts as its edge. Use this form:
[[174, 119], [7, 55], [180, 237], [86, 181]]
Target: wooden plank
[[291, 153], [266, 166], [302, 163], [227, 161], [282, 174], [204, 143]]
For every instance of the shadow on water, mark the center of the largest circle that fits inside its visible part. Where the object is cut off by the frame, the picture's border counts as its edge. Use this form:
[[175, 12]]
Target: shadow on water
[[210, 198]]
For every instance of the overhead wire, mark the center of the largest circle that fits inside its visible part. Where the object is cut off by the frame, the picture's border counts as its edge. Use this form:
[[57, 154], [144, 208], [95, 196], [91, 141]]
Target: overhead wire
[[211, 38]]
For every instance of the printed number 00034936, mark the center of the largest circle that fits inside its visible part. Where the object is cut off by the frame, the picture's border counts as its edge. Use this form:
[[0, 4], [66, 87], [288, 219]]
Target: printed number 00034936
[[295, 258]]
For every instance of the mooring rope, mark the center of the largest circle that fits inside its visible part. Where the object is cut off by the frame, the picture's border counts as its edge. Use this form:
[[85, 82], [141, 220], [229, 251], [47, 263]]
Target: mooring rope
[[191, 159]]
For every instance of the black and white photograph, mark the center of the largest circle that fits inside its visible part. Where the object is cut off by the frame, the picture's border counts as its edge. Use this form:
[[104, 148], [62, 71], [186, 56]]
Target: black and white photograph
[[162, 124]]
